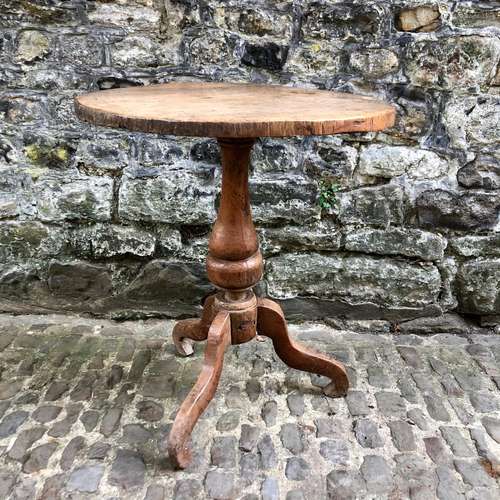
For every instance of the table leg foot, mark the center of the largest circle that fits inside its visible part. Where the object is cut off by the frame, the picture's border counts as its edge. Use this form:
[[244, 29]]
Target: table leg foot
[[218, 338], [271, 323], [188, 330]]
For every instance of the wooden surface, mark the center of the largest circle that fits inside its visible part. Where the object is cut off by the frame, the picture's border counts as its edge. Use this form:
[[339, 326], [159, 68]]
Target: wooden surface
[[219, 337], [271, 323], [233, 110], [234, 261]]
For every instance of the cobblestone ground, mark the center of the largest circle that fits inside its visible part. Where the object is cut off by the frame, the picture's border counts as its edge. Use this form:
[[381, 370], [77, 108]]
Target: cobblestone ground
[[86, 406]]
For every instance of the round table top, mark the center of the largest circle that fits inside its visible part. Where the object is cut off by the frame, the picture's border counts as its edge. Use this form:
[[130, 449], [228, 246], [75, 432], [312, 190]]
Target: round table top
[[233, 110]]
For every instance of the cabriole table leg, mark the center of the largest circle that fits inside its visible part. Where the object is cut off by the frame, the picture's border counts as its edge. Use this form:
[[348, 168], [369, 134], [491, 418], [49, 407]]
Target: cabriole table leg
[[234, 315]]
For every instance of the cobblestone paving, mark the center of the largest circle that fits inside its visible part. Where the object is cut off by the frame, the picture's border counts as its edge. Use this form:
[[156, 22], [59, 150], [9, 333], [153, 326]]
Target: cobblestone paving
[[86, 405]]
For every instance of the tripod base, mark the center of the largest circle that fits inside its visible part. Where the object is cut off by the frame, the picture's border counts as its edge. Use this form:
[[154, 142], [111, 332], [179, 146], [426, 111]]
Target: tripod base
[[235, 321]]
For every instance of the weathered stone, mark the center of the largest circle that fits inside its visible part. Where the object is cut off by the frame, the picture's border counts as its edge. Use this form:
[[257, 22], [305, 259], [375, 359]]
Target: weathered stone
[[492, 426], [249, 437], [484, 402], [9, 389], [29, 239], [71, 451], [335, 451], [110, 421], [156, 492], [86, 199], [269, 413], [445, 209], [101, 241], [136, 434], [32, 45], [482, 173], [379, 160], [345, 484], [163, 285], [219, 484], [267, 452], [367, 433], [270, 489], [472, 121], [24, 441], [436, 450], [378, 206], [476, 246], [223, 452], [98, 451], [395, 241], [423, 18], [56, 390], [181, 196], [297, 469], [187, 489], [292, 438], [85, 478], [79, 279], [402, 435], [342, 21], [12, 422], [39, 457], [456, 441], [352, 278], [357, 403], [149, 411], [291, 198], [473, 474], [436, 408], [447, 323], [295, 404], [374, 63], [449, 486], [390, 404], [377, 474], [89, 419], [128, 470], [478, 284], [463, 61]]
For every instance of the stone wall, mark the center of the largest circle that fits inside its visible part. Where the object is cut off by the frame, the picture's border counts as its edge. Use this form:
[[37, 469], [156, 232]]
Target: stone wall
[[394, 225]]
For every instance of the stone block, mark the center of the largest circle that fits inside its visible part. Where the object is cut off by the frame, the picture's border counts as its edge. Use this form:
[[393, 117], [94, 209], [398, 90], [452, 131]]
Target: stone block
[[467, 62], [478, 286], [439, 208], [396, 241], [29, 239], [472, 121], [378, 206], [374, 63], [82, 199], [378, 160], [476, 246], [482, 173], [421, 19], [284, 199], [103, 241], [343, 20], [354, 279], [178, 196]]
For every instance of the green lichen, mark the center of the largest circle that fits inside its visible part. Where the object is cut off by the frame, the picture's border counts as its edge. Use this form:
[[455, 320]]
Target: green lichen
[[47, 156], [36, 172]]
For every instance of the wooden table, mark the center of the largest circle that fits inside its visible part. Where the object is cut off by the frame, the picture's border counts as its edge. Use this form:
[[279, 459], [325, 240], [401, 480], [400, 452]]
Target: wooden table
[[236, 114]]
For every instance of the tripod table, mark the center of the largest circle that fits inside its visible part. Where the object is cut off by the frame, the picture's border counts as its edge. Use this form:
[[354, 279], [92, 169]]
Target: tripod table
[[235, 114]]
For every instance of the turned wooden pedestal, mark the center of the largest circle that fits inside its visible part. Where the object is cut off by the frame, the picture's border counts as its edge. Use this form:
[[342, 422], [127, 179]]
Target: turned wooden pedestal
[[236, 115]]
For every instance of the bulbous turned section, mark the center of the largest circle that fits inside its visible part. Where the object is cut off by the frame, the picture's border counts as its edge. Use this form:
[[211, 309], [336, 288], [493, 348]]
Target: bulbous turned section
[[234, 260]]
